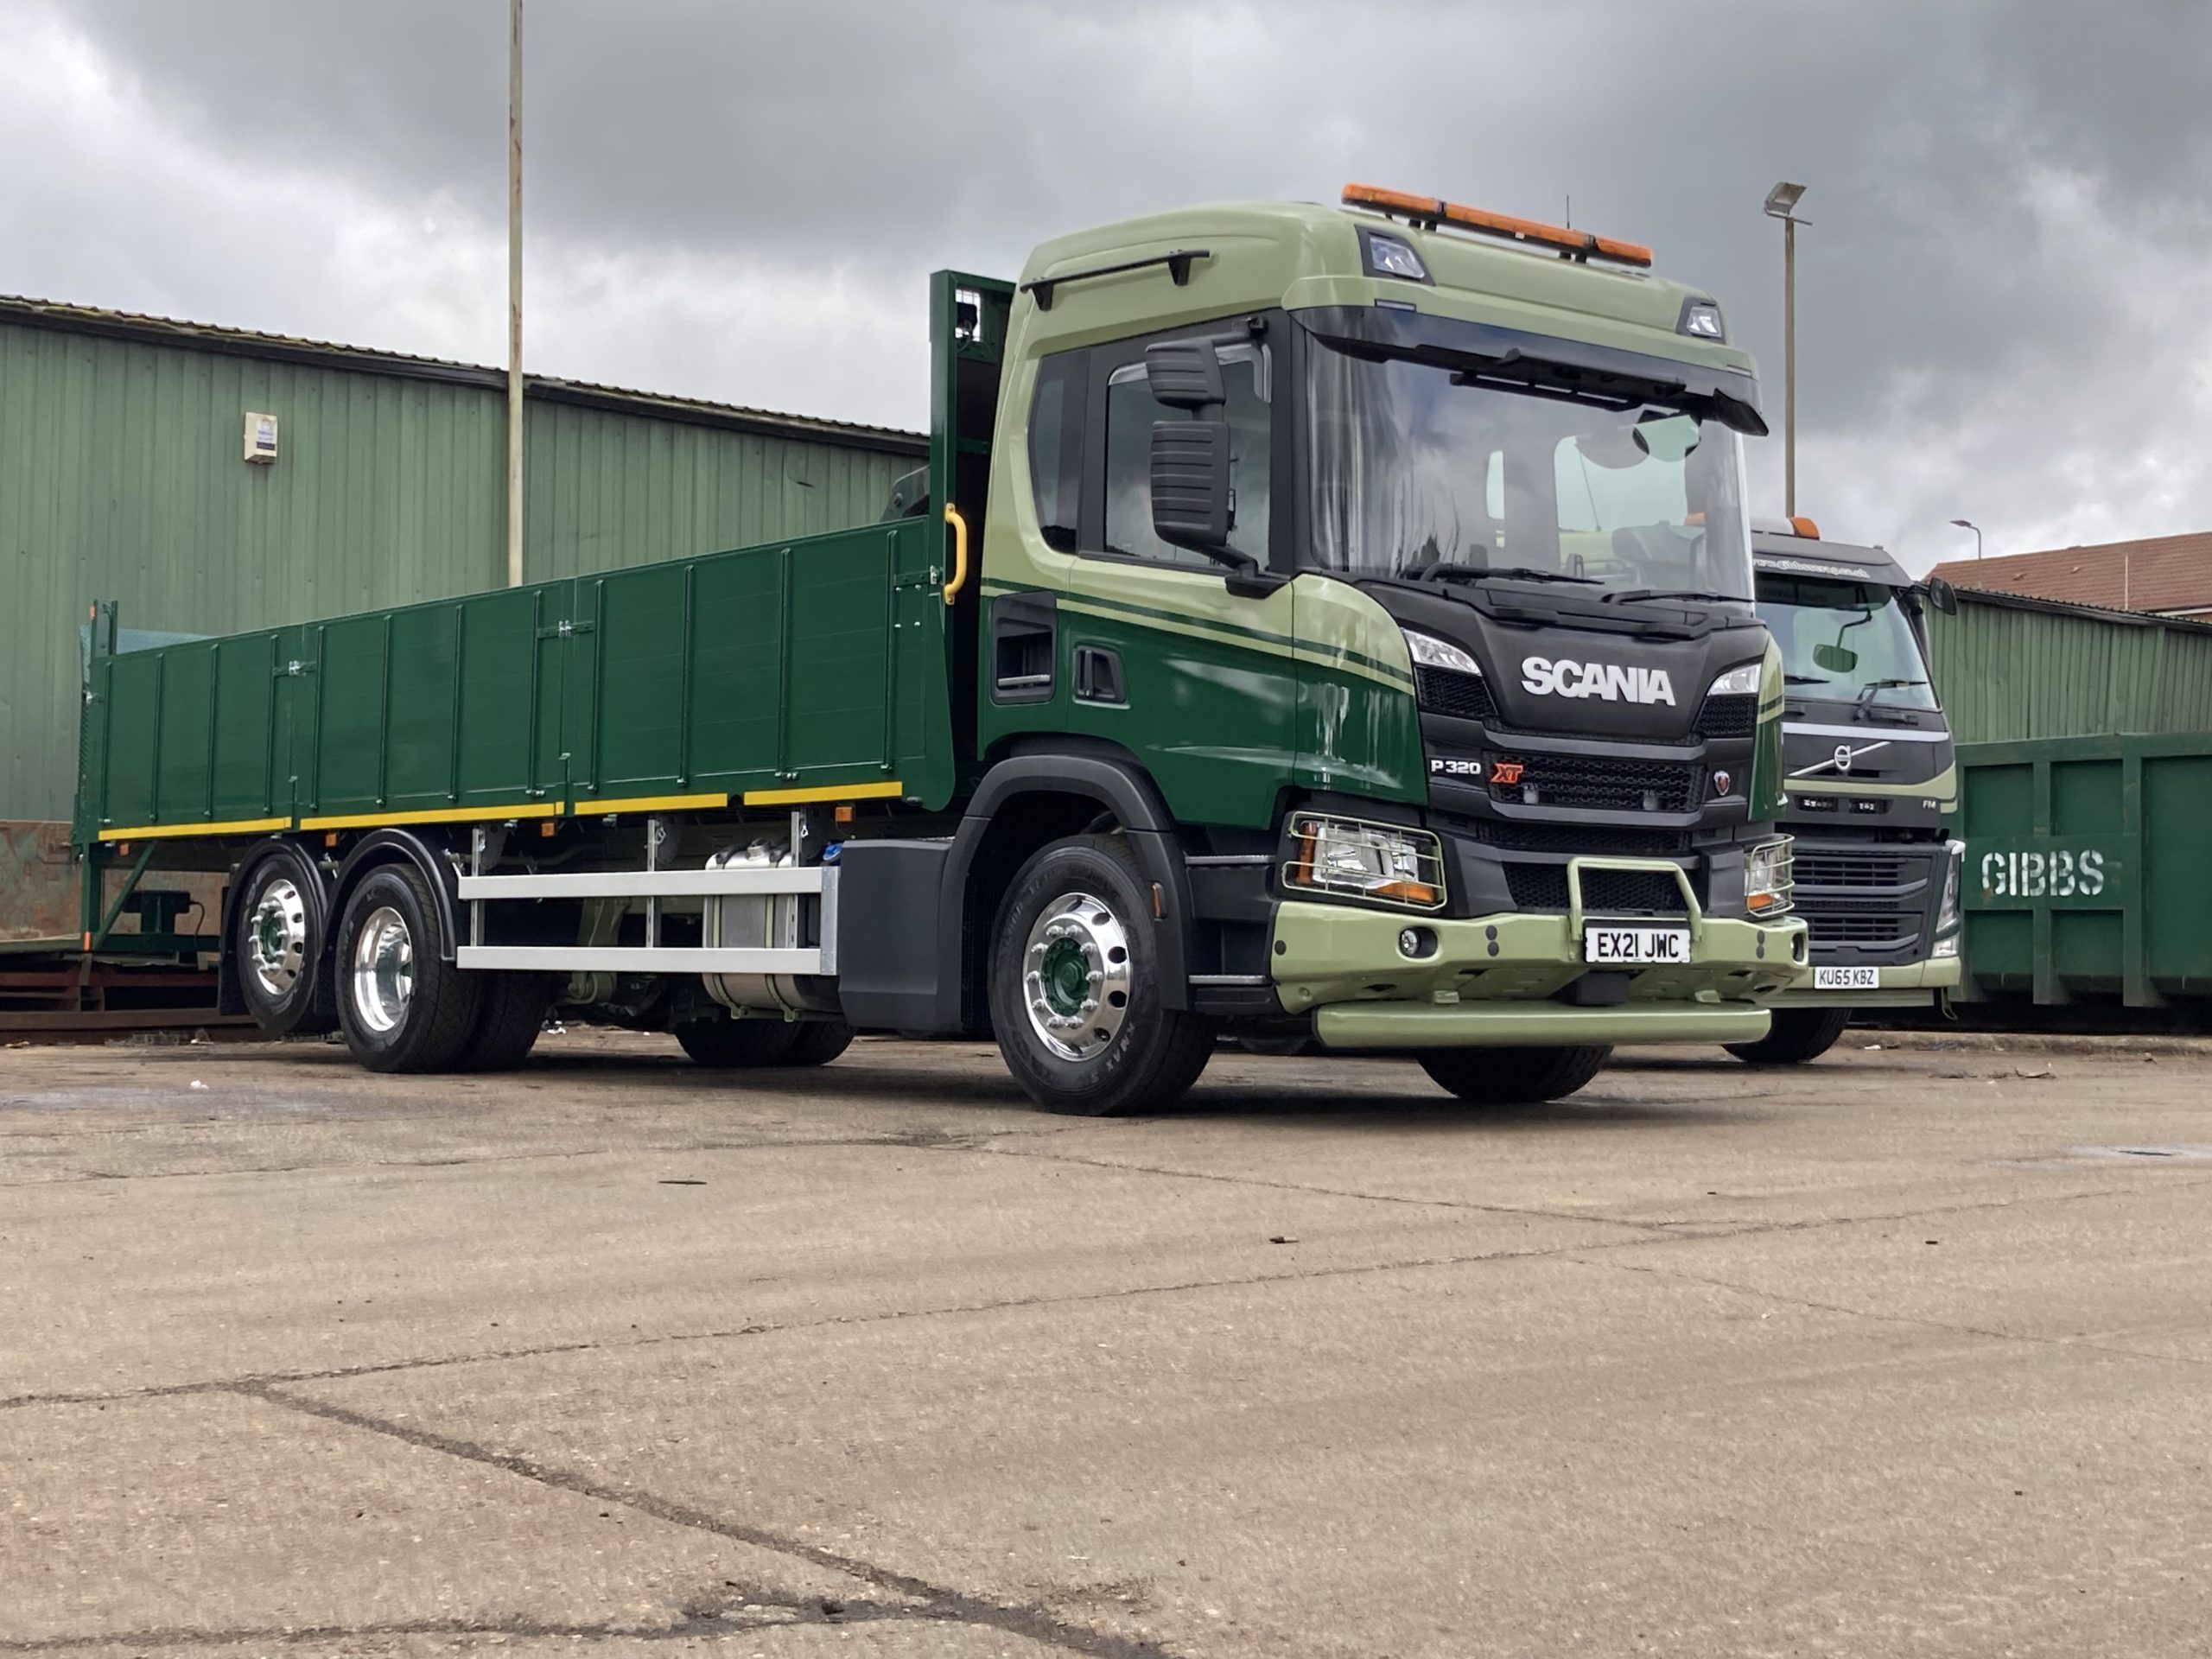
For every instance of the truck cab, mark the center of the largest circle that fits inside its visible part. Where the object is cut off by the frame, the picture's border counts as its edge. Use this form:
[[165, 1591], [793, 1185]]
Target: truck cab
[[1871, 784]]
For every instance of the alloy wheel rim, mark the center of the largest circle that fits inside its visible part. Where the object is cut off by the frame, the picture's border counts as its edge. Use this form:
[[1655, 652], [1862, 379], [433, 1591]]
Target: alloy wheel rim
[[383, 970], [1076, 976], [276, 938]]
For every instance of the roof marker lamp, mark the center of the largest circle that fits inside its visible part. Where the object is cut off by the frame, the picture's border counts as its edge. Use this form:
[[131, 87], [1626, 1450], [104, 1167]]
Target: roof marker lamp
[[1390, 255], [1701, 320]]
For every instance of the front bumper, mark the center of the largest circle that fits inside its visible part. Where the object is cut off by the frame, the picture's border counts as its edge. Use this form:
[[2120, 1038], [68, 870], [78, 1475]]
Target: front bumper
[[1491, 980], [1904, 985]]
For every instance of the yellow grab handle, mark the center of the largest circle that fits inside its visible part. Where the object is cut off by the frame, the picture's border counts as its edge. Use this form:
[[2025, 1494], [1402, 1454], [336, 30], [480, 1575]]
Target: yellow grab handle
[[959, 552]]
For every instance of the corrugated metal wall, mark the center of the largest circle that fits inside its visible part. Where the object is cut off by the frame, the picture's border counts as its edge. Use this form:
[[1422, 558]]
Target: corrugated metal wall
[[2009, 670], [122, 477]]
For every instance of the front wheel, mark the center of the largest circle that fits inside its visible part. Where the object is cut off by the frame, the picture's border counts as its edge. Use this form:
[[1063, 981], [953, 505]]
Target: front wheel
[[1796, 1035], [1074, 987], [1514, 1077]]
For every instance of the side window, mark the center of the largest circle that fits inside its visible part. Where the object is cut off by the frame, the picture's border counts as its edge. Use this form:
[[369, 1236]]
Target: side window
[[1056, 445], [1130, 412]]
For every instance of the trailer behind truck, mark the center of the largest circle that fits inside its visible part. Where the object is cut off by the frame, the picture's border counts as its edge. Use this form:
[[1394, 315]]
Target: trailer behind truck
[[1322, 622]]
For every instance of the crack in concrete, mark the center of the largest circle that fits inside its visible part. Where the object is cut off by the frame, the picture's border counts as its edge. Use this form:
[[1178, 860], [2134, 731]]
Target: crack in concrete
[[1917, 1320], [934, 1602], [1650, 1234], [692, 1625]]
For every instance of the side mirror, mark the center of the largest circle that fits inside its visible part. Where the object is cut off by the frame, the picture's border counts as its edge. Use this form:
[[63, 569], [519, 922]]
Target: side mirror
[[1837, 659], [1944, 596], [1190, 485], [1184, 373]]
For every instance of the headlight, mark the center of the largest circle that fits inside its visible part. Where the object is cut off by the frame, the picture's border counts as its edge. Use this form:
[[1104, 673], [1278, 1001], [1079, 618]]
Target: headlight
[[1736, 682], [1355, 859], [1767, 880], [1947, 913], [1429, 651]]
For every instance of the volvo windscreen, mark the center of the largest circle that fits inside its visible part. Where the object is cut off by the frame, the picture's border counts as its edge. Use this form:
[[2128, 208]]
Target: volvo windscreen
[[1845, 642]]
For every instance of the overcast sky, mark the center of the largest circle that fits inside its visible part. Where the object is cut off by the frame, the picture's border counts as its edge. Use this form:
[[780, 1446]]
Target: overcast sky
[[2005, 294]]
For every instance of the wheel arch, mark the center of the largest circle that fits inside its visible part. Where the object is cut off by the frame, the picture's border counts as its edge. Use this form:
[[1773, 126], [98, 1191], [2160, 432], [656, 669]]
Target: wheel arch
[[381, 847], [1036, 794]]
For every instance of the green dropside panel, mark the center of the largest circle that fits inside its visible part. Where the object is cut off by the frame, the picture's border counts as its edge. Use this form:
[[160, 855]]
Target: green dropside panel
[[814, 663], [2085, 874]]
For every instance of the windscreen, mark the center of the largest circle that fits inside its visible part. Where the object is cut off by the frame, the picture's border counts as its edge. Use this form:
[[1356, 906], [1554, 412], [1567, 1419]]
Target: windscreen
[[1847, 640], [1422, 469]]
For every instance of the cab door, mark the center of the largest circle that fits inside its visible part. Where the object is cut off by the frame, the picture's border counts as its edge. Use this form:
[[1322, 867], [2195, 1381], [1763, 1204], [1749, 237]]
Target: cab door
[[1153, 653]]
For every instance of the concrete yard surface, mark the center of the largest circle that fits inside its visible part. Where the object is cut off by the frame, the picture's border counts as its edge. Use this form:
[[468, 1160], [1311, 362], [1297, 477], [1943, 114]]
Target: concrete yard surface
[[1902, 1352]]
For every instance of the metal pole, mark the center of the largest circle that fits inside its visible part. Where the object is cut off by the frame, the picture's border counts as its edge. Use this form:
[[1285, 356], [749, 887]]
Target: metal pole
[[1788, 364], [514, 293]]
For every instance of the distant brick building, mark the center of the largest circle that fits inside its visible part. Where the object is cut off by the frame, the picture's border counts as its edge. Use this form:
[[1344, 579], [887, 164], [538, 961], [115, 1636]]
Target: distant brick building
[[2165, 576]]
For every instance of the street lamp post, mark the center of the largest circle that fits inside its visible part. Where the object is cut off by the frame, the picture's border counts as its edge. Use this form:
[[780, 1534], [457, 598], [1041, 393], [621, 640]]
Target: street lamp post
[[1968, 524], [514, 294], [1781, 204]]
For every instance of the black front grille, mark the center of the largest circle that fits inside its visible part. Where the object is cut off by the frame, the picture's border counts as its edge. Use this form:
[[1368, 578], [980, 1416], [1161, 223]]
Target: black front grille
[[1543, 886], [1447, 691], [1728, 717], [1628, 838], [1597, 783], [1829, 927], [1845, 870]]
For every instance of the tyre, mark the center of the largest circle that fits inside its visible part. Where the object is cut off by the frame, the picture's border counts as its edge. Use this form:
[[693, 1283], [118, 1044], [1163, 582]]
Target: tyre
[[1514, 1077], [732, 1045], [278, 930], [819, 1042], [1074, 987], [512, 1016], [402, 1006], [1796, 1035]]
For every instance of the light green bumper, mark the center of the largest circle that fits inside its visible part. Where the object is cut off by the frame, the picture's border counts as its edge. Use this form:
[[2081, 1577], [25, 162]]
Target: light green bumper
[[1491, 979], [1909, 985]]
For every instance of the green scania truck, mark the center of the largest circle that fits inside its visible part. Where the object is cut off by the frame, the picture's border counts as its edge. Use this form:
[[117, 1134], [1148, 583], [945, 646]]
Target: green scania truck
[[1330, 622]]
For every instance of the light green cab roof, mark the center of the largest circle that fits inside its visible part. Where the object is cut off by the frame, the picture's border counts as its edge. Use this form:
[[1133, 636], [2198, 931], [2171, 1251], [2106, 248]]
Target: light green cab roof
[[1302, 254]]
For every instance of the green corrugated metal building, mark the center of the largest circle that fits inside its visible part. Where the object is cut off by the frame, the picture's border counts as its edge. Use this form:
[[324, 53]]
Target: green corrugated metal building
[[2009, 668], [123, 475]]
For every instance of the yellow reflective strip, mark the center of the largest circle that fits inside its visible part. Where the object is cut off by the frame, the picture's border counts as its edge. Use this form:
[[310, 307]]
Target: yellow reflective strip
[[433, 815], [650, 803], [175, 831], [889, 790]]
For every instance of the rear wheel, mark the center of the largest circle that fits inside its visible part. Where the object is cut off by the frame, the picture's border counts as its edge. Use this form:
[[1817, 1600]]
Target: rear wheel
[[1796, 1035], [732, 1045], [402, 1004], [513, 1013], [1074, 987], [278, 937], [1513, 1076], [819, 1042]]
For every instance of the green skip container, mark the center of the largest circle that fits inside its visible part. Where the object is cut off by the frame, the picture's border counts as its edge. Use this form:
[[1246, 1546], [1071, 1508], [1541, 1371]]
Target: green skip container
[[2086, 877]]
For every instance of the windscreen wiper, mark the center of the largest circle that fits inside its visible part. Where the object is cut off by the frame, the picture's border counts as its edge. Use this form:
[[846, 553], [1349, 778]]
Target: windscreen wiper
[[1448, 570], [1628, 594], [1802, 679], [1866, 704]]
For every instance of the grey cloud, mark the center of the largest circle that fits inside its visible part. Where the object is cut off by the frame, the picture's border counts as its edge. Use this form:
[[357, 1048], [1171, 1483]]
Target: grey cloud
[[1944, 309]]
